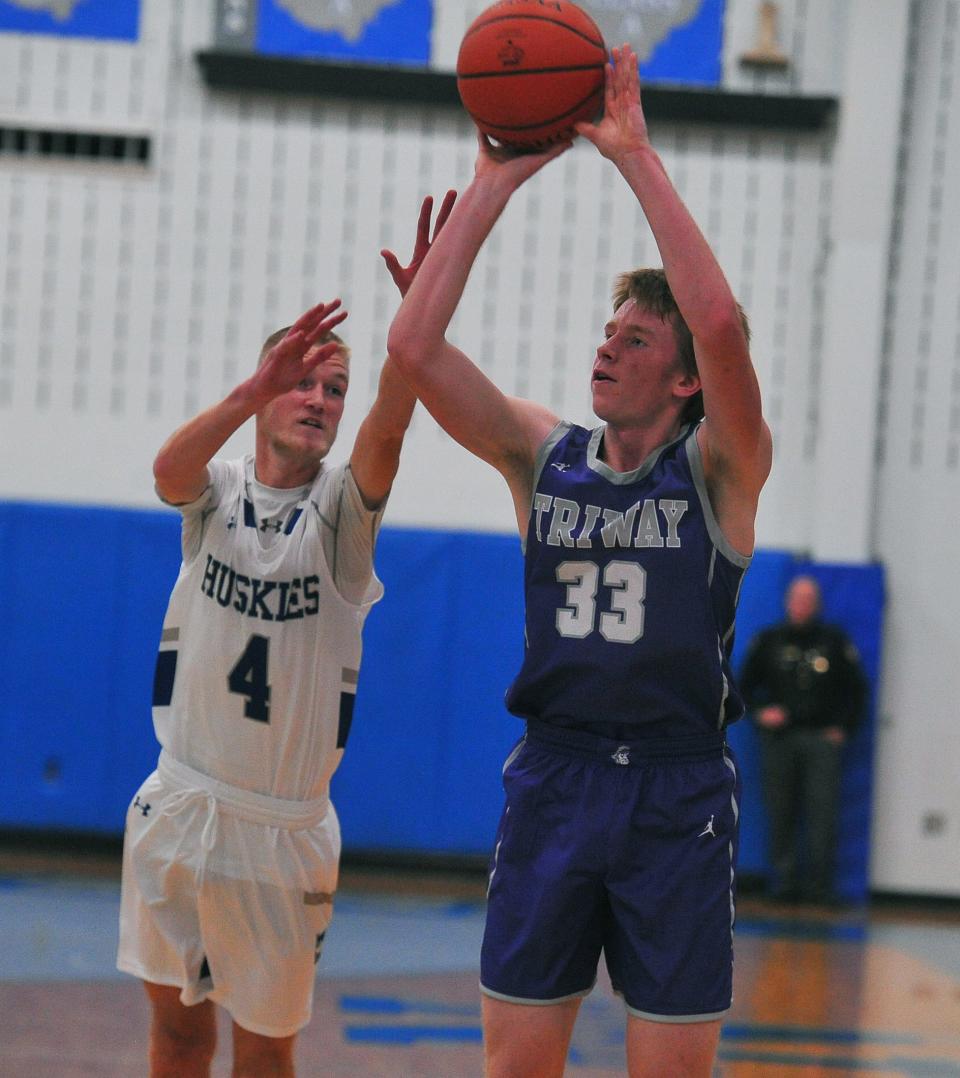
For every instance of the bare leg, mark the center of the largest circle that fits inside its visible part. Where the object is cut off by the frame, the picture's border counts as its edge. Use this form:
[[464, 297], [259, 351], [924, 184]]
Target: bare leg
[[680, 1049], [256, 1056], [182, 1039], [526, 1041]]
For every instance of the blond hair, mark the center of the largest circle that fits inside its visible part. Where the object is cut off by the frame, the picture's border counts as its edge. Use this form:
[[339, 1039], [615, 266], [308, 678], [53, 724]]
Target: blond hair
[[277, 336]]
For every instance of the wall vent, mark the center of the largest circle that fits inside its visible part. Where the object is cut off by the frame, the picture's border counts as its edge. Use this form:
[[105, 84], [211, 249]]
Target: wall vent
[[74, 145]]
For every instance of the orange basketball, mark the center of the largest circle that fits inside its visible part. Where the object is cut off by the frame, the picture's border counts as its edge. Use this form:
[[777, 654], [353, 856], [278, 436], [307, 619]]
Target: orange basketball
[[528, 70]]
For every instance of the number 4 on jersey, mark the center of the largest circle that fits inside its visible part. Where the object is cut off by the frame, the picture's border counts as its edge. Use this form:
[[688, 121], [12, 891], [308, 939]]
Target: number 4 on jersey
[[249, 678]]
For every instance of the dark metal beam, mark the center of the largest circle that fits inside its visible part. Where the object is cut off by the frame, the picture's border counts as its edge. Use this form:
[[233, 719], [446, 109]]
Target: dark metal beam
[[401, 85]]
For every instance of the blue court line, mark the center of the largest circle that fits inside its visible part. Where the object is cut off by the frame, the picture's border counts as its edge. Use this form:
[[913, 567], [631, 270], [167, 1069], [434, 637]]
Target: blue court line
[[804, 930], [390, 1005], [915, 1068], [412, 1034], [813, 1035], [463, 909]]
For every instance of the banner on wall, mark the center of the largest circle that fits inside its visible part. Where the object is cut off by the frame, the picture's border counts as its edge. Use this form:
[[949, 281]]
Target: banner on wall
[[677, 41], [111, 20], [366, 31]]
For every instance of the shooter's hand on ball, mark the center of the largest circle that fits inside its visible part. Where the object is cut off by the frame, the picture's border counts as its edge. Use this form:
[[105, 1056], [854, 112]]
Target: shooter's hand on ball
[[513, 165], [623, 128]]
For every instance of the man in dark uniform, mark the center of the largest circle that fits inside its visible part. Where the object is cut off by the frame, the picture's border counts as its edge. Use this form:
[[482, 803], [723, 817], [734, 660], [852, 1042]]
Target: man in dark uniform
[[803, 682]]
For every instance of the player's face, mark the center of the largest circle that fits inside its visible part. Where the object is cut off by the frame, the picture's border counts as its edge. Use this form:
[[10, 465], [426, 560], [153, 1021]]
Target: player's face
[[636, 371], [304, 421]]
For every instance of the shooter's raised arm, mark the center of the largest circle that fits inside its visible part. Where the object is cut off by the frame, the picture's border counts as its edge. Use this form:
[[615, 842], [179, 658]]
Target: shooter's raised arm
[[736, 439], [501, 430]]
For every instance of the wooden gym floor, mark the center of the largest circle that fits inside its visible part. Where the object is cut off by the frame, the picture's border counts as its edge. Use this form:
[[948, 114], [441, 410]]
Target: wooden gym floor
[[872, 991]]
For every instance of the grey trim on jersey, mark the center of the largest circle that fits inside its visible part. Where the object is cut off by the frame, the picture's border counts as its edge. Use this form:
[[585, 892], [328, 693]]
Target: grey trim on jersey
[[547, 448], [620, 478], [736, 604], [724, 696], [736, 819], [717, 537], [539, 462]]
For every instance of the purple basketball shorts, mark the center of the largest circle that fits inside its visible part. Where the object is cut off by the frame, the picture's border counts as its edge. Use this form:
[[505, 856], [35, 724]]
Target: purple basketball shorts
[[629, 849]]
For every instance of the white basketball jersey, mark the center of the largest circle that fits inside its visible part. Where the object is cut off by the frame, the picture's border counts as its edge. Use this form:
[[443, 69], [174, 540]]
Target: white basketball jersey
[[259, 655]]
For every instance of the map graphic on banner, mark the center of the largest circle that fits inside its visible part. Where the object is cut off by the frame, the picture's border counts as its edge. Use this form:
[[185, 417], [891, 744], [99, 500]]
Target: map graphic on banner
[[370, 31], [116, 20], [678, 41]]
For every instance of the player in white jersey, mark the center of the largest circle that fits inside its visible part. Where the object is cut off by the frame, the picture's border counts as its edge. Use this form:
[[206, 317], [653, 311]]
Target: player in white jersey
[[232, 845]]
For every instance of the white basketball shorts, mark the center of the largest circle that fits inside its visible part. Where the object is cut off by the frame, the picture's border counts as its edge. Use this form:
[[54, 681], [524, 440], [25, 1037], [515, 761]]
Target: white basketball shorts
[[227, 895]]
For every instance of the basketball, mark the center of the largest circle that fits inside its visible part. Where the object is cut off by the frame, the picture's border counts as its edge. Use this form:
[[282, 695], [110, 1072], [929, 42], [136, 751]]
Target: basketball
[[528, 70]]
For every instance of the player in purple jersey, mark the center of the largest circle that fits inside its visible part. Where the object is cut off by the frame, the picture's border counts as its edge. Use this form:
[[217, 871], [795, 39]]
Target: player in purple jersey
[[619, 832]]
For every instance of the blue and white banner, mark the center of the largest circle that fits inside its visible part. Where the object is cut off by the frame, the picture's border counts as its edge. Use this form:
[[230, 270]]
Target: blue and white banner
[[110, 20], [382, 32], [677, 41]]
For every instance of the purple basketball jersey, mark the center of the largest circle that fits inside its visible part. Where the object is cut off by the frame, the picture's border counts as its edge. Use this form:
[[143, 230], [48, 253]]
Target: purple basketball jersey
[[631, 593]]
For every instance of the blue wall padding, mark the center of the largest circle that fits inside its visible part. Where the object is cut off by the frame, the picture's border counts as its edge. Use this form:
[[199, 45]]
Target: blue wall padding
[[85, 590], [422, 769]]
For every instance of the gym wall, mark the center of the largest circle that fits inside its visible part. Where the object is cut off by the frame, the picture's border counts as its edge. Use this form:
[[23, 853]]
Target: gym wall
[[137, 289]]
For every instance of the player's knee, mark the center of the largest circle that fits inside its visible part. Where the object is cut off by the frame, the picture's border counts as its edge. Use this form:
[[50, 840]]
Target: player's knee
[[179, 1048], [262, 1057]]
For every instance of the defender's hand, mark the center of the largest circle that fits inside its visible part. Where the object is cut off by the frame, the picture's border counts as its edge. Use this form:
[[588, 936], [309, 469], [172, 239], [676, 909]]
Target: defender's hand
[[403, 275], [295, 356]]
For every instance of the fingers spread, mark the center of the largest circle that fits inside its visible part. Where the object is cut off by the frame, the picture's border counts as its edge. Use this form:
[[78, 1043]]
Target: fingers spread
[[325, 324]]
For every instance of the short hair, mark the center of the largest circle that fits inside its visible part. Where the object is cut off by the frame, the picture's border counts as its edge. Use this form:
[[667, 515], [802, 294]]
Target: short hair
[[648, 288], [277, 336]]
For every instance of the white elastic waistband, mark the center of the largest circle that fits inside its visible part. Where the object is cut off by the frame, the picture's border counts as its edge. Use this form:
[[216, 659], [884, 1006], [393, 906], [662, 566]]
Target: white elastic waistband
[[259, 808]]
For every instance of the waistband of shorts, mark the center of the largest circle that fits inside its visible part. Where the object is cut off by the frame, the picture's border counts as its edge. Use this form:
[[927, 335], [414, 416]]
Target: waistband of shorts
[[577, 742], [249, 805]]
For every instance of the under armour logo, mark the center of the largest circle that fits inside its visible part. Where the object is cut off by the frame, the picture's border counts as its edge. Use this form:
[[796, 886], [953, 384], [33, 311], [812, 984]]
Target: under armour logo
[[275, 524], [231, 523], [560, 466], [708, 830], [143, 806], [621, 756]]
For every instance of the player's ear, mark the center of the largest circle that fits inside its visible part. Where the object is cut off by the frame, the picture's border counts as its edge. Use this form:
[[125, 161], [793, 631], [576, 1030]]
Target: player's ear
[[687, 384]]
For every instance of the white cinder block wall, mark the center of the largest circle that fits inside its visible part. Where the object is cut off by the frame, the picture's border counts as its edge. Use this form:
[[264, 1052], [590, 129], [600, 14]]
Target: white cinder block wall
[[133, 295]]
